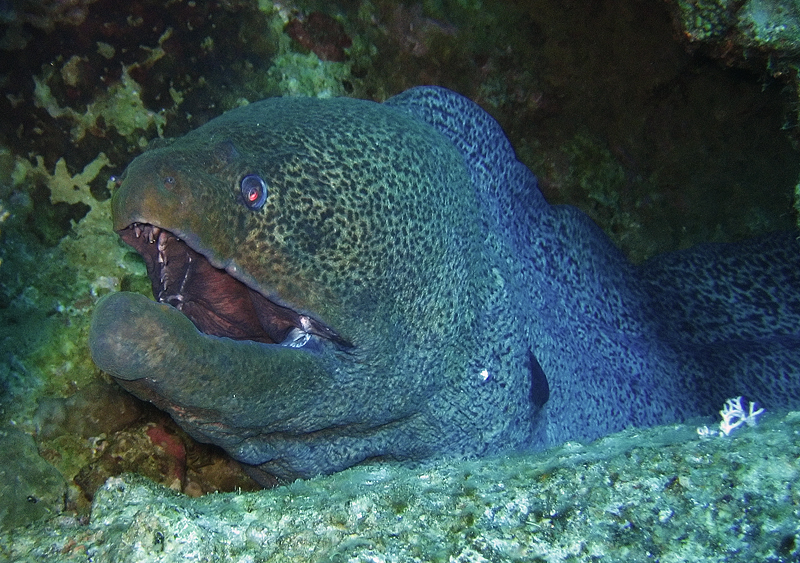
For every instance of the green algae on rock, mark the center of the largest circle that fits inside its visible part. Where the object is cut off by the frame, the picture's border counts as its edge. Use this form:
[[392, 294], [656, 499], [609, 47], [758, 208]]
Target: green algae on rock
[[761, 24], [121, 109]]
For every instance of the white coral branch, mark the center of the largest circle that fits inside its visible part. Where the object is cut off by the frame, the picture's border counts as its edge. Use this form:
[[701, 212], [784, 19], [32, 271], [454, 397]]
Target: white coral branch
[[733, 415]]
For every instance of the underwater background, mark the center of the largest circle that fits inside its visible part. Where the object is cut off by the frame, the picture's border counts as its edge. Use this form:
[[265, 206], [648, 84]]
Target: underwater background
[[669, 123]]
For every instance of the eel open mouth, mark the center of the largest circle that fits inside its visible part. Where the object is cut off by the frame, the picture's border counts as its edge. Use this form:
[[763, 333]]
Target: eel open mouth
[[217, 303]]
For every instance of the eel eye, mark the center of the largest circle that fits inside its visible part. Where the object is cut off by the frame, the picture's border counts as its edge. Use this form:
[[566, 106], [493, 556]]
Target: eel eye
[[254, 191]]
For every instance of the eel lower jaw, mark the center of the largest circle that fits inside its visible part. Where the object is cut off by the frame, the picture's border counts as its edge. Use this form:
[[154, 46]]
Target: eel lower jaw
[[217, 303]]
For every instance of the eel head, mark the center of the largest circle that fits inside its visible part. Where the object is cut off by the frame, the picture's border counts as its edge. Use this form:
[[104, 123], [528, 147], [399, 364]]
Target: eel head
[[241, 343], [300, 257]]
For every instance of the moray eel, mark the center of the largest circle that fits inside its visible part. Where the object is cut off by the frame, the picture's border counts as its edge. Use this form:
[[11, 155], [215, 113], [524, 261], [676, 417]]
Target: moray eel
[[339, 281]]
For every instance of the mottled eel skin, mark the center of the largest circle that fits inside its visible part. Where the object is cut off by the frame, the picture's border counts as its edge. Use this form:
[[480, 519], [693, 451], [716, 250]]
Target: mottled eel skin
[[385, 281]]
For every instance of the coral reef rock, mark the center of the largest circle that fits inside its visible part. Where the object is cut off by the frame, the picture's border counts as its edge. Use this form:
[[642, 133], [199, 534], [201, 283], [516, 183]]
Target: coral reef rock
[[663, 494]]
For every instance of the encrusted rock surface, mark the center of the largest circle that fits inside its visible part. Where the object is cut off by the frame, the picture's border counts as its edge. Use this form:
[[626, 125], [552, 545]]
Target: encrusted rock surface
[[663, 494]]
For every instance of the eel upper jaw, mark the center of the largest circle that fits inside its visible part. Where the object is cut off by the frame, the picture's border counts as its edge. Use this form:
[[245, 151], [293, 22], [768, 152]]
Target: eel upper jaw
[[216, 302]]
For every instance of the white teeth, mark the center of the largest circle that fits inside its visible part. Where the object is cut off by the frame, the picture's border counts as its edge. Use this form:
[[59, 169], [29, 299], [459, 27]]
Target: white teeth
[[176, 299], [153, 233], [296, 338], [185, 278], [162, 246]]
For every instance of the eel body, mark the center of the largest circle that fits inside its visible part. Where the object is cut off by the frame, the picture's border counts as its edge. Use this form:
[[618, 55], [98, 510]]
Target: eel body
[[339, 281]]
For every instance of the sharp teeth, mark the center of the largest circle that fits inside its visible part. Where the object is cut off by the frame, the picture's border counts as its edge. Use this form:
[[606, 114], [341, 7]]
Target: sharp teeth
[[137, 230], [296, 338], [162, 247]]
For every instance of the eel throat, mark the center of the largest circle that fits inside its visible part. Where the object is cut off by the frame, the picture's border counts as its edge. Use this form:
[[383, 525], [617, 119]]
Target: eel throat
[[217, 303]]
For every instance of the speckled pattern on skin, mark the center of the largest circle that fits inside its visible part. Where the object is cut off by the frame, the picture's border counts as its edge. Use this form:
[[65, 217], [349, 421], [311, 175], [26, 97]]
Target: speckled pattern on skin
[[410, 228]]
